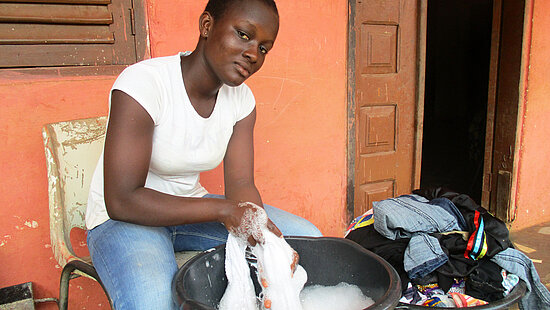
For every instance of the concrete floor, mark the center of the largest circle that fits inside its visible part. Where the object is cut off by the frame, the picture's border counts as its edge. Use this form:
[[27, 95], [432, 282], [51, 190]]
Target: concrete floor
[[535, 243]]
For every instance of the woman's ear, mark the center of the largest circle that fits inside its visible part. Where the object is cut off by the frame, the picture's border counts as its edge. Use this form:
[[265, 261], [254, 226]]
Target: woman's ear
[[205, 23]]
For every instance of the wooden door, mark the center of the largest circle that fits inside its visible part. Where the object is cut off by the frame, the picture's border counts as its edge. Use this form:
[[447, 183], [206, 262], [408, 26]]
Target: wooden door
[[386, 72], [506, 95]]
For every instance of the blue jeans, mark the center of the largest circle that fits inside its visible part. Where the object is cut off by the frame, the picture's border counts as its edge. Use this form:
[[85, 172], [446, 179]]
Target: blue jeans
[[414, 217], [537, 295], [136, 263]]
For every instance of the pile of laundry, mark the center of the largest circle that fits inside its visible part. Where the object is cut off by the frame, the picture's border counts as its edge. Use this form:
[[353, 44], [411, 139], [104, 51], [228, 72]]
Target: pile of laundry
[[447, 250]]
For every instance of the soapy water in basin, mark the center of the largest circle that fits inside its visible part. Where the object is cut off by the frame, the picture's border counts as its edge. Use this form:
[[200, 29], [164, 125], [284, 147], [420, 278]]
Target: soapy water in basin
[[343, 296]]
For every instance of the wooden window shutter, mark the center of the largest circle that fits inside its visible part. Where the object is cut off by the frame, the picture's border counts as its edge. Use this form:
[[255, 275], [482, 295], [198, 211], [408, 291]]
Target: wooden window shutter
[[43, 33]]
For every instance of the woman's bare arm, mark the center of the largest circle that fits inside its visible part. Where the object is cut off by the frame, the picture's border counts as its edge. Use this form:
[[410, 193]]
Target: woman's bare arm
[[128, 146], [239, 165]]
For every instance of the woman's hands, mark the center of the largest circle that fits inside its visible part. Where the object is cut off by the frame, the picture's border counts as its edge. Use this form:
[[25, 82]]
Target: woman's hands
[[246, 221]]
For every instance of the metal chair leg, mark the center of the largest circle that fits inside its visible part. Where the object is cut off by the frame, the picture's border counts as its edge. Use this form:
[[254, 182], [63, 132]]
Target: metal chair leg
[[64, 286], [66, 276]]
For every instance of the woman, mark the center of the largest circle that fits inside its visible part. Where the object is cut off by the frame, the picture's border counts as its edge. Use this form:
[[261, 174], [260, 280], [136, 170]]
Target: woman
[[170, 119]]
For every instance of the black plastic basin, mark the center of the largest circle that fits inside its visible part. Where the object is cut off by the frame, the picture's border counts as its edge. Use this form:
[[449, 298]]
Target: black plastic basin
[[201, 282]]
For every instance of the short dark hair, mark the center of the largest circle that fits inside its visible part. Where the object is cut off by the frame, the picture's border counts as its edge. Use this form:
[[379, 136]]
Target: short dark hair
[[217, 8]]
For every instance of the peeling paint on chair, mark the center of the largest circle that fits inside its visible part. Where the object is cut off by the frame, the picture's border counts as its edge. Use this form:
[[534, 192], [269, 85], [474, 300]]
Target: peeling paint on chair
[[72, 149]]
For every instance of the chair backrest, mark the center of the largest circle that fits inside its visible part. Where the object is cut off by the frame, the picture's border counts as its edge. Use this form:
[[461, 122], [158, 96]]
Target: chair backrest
[[72, 150]]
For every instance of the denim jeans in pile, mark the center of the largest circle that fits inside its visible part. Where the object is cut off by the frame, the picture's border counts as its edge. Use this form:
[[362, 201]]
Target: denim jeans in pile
[[414, 217]]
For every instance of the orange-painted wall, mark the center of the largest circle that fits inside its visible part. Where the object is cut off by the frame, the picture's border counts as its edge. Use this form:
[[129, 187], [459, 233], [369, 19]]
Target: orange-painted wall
[[301, 133], [27, 104], [533, 185]]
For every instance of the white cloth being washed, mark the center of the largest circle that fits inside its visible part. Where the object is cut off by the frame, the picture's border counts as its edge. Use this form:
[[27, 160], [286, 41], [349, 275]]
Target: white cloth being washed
[[280, 286]]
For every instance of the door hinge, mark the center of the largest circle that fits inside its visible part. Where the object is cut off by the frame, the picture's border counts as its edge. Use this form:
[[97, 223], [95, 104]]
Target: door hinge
[[132, 21]]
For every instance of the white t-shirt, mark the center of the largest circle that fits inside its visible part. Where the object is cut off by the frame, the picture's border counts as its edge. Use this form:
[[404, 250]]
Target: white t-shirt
[[184, 143]]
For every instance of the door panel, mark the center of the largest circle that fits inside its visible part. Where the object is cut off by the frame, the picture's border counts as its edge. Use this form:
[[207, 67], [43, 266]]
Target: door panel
[[378, 49], [386, 33], [505, 96]]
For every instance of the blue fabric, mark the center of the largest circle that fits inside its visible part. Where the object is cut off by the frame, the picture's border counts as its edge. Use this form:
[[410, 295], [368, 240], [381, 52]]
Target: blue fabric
[[450, 207], [412, 216], [537, 295], [422, 256], [136, 263]]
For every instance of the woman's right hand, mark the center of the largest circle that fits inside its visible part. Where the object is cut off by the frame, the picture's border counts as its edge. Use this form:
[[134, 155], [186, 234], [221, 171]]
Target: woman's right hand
[[246, 221]]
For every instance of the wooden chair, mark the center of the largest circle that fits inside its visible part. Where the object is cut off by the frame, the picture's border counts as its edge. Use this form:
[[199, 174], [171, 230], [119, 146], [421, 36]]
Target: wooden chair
[[72, 150]]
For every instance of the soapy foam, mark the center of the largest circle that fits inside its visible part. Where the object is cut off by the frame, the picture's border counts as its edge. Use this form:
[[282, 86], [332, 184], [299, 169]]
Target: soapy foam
[[253, 221], [343, 296]]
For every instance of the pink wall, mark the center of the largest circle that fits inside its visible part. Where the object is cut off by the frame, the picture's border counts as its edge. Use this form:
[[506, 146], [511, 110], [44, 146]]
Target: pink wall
[[533, 188], [300, 133]]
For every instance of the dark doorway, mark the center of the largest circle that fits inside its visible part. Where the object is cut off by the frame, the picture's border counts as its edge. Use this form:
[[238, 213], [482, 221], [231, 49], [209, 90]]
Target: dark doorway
[[455, 110]]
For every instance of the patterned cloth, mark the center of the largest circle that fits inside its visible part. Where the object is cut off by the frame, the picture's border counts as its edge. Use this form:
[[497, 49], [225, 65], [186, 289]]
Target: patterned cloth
[[509, 281], [361, 221], [432, 295], [463, 300]]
